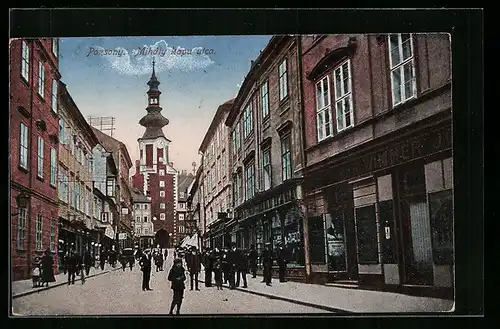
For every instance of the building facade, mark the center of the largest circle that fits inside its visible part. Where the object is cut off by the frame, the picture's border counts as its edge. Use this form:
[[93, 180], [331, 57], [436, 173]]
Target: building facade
[[123, 223], [143, 223], [216, 179], [34, 134], [76, 189], [267, 155], [183, 224], [195, 207], [379, 175], [105, 206], [154, 174]]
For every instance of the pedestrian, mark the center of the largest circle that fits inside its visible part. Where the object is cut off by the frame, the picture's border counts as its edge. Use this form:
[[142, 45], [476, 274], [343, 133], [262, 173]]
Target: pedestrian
[[193, 263], [166, 253], [267, 260], [102, 260], [253, 255], [242, 268], [209, 263], [145, 264], [80, 267], [218, 272], [131, 262], [233, 261], [225, 265], [87, 261], [65, 262], [72, 266], [123, 261], [36, 272], [177, 276], [282, 260], [47, 268]]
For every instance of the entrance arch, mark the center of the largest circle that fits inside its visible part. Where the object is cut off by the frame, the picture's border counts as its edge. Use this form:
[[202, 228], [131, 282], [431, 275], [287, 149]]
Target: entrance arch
[[162, 238]]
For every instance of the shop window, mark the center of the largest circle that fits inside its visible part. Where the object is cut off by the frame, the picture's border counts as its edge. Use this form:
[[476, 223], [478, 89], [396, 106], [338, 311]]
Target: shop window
[[441, 212], [366, 229], [276, 232], [317, 240], [335, 239], [293, 237]]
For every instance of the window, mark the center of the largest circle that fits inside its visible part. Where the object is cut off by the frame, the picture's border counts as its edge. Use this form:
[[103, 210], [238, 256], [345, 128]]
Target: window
[[95, 210], [162, 183], [162, 194], [105, 217], [21, 229], [162, 172], [283, 80], [82, 197], [162, 216], [145, 219], [233, 138], [181, 205], [25, 63], [402, 64], [247, 121], [40, 156], [54, 95], [138, 219], [55, 46], [53, 167], [181, 229], [249, 181], [286, 158], [23, 147], [343, 96], [162, 206], [181, 216], [110, 187], [53, 227], [238, 136], [223, 164], [239, 186], [323, 109], [39, 232], [62, 132], [266, 165], [138, 231], [41, 79], [265, 99]]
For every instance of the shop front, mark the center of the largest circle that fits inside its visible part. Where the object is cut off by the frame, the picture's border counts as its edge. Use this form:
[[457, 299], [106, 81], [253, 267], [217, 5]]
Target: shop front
[[276, 219], [384, 217], [67, 240], [216, 234]]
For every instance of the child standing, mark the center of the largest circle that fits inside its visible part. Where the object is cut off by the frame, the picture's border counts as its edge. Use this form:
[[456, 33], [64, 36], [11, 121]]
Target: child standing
[[177, 276], [218, 273], [36, 273]]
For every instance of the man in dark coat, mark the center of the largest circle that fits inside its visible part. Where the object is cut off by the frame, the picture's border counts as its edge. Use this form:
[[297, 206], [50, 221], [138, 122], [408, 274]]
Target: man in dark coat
[[225, 264], [47, 268], [208, 263], [193, 263], [72, 266], [177, 276], [267, 260], [253, 255], [242, 268], [145, 264], [282, 260], [102, 260], [233, 257], [87, 261]]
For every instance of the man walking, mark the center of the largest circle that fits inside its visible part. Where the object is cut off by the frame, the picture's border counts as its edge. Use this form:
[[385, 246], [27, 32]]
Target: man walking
[[72, 263], [282, 263], [267, 260], [145, 264], [253, 260], [102, 260], [233, 260], [87, 261], [208, 263], [242, 268], [193, 262]]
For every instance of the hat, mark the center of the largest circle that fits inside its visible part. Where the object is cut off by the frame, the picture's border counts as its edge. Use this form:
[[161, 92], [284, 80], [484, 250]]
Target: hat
[[177, 260]]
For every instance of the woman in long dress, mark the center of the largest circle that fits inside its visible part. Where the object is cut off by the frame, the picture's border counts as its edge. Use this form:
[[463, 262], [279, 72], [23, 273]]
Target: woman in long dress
[[47, 268]]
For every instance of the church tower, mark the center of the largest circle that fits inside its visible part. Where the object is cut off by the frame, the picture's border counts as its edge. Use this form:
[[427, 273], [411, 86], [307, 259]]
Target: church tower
[[155, 175]]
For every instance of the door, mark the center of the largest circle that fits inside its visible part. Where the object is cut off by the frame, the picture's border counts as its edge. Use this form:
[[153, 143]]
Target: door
[[416, 243]]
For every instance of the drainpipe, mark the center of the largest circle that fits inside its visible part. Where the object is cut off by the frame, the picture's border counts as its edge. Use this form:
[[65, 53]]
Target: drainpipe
[[303, 147], [30, 150]]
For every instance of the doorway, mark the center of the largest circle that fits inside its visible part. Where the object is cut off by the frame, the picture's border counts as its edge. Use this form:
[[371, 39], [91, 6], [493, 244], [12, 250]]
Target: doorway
[[415, 239]]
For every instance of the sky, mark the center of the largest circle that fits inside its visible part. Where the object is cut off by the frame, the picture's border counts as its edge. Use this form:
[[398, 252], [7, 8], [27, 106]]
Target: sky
[[107, 77]]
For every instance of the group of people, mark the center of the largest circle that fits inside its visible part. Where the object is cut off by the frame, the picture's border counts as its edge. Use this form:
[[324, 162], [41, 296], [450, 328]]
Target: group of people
[[43, 270]]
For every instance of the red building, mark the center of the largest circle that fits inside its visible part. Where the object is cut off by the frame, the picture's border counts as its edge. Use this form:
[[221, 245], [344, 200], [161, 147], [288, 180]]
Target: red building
[[154, 174], [379, 174], [34, 135]]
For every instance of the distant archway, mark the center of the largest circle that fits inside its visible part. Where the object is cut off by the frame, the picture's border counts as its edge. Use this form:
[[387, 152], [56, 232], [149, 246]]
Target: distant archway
[[162, 238]]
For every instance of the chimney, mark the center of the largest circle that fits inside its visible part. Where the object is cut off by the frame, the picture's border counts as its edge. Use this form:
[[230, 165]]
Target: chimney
[[137, 166]]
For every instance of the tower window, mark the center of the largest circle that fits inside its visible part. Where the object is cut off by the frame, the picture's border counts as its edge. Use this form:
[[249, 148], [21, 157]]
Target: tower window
[[153, 100]]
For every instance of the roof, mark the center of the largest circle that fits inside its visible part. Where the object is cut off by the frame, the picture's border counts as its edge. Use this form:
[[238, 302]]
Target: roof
[[111, 144], [184, 181], [218, 117], [138, 196]]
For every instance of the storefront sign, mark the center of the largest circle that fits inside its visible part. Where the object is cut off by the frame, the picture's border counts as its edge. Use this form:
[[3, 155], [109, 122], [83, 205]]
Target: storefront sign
[[122, 236], [109, 232], [418, 146]]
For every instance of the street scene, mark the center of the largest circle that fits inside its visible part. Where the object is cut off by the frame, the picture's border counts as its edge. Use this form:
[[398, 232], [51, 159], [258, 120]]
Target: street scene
[[290, 174]]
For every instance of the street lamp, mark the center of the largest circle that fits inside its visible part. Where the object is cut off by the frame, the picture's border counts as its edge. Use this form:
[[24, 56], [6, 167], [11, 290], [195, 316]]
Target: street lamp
[[21, 201]]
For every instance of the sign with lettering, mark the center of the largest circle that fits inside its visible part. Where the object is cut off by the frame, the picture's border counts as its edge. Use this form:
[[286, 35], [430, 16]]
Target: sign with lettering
[[412, 148]]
